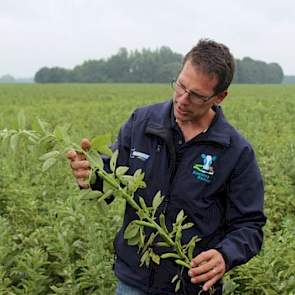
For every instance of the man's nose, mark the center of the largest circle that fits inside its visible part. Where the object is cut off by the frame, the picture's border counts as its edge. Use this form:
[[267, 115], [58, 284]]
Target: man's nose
[[184, 98]]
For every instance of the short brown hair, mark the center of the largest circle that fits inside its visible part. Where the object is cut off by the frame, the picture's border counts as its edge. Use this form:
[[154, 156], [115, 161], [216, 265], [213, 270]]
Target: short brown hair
[[213, 58]]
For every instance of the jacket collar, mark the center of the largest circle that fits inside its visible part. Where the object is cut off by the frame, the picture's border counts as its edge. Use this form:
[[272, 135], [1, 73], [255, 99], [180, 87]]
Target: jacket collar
[[218, 132]]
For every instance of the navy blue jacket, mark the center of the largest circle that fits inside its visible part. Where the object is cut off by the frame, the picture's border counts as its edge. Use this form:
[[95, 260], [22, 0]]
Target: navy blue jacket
[[213, 177]]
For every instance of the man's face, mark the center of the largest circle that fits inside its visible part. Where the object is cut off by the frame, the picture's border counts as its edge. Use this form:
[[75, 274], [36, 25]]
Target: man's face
[[187, 106]]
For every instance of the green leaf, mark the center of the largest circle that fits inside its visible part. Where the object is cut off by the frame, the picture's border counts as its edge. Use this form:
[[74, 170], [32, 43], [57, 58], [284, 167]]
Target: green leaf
[[138, 175], [155, 257], [145, 259], [92, 177], [187, 225], [51, 154], [162, 244], [21, 120], [101, 144], [142, 238], [191, 246], [143, 204], [47, 141], [44, 126], [174, 278], [134, 241], [137, 181], [14, 141], [58, 133], [145, 223], [106, 187], [168, 255], [102, 207], [95, 159], [131, 230], [31, 136], [126, 179], [106, 195], [157, 200], [90, 195], [163, 223], [149, 241], [177, 287], [180, 217], [121, 170], [5, 137], [178, 240], [182, 263], [142, 184], [48, 164], [61, 133], [118, 193], [114, 161]]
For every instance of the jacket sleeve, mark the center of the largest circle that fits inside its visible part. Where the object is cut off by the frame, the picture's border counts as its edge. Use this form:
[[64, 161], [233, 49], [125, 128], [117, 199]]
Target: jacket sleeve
[[244, 212]]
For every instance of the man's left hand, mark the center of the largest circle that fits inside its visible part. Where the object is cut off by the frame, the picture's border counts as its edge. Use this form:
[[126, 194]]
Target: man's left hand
[[208, 267]]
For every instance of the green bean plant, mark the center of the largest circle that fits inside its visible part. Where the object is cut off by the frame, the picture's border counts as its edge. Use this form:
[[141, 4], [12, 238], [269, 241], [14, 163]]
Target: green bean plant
[[119, 184]]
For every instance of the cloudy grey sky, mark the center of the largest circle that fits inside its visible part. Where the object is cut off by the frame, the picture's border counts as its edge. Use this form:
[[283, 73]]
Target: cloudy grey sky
[[37, 33]]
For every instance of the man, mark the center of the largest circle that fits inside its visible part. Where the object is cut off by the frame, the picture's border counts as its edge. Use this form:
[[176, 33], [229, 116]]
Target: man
[[202, 165]]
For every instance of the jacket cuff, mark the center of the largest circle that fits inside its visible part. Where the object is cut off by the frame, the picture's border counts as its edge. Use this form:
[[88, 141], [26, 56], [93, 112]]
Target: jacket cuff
[[228, 265]]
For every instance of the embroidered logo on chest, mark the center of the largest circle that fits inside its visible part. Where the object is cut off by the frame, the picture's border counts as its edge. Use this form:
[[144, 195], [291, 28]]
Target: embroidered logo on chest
[[139, 155], [204, 170]]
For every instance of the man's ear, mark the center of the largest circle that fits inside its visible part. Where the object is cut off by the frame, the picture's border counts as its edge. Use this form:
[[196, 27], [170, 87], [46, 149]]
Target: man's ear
[[220, 97]]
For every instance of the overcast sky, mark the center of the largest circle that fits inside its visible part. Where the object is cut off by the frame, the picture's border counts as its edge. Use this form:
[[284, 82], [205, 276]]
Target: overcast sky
[[37, 33]]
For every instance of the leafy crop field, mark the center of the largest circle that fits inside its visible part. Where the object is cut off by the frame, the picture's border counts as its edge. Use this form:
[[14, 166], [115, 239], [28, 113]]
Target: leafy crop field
[[52, 242]]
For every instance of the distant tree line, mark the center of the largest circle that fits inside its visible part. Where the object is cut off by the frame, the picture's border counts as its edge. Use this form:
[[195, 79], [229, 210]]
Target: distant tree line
[[9, 79], [158, 66], [249, 70], [289, 80]]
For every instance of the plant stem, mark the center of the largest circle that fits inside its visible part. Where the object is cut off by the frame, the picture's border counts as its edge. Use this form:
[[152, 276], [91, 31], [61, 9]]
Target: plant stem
[[151, 222]]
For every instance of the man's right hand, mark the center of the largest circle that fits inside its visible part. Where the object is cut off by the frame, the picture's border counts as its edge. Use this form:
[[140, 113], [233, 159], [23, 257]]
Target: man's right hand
[[80, 166]]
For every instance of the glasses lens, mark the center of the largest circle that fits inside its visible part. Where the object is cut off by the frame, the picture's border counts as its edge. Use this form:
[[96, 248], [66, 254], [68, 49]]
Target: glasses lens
[[194, 97], [178, 88], [197, 99]]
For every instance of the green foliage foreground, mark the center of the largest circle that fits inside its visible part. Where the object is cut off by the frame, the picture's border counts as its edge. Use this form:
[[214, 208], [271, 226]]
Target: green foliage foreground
[[52, 242], [116, 184]]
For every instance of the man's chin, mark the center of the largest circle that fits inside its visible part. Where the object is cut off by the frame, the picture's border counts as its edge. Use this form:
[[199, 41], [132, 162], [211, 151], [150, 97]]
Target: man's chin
[[183, 119]]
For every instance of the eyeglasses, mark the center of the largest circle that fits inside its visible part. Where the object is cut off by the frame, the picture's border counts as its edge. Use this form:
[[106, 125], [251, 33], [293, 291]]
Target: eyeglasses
[[195, 97]]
